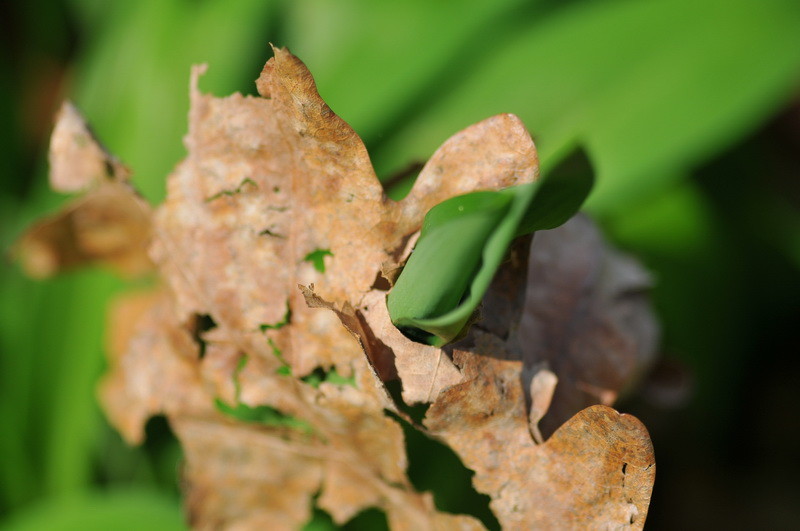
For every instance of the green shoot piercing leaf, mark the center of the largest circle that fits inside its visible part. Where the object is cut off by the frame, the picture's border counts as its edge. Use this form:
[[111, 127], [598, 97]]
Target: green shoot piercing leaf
[[463, 241]]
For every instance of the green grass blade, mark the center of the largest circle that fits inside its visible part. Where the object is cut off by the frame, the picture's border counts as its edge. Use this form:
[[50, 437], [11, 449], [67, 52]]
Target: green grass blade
[[672, 84]]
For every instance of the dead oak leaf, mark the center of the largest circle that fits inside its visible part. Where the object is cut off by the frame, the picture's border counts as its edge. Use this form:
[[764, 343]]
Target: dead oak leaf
[[268, 184], [269, 181], [596, 471], [77, 159], [587, 316], [246, 475], [153, 367], [489, 413], [110, 224]]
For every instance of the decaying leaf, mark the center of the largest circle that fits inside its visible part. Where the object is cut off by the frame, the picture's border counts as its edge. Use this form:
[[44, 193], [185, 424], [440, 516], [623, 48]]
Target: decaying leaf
[[77, 160], [595, 472], [269, 181], [488, 417], [267, 385], [543, 385], [587, 315], [155, 370], [109, 225]]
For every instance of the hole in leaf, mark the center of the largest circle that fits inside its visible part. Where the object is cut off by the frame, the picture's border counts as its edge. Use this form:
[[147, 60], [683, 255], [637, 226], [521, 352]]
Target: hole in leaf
[[381, 283], [371, 519], [156, 461], [158, 434], [287, 317], [200, 324], [240, 365], [285, 369], [400, 183], [109, 167], [417, 412], [433, 466], [163, 451], [320, 375], [317, 258], [266, 415]]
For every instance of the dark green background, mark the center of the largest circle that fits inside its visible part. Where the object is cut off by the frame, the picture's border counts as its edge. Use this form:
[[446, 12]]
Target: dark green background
[[690, 111]]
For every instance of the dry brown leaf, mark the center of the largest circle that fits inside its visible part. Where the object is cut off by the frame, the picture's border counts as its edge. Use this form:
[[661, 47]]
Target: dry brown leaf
[[244, 476], [596, 471], [77, 160], [542, 387], [485, 419], [109, 225], [155, 370], [587, 316], [267, 182], [489, 414], [227, 349]]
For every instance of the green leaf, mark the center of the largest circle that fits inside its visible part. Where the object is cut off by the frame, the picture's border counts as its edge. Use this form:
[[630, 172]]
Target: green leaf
[[444, 261], [464, 240], [561, 194], [121, 509], [652, 98], [361, 37]]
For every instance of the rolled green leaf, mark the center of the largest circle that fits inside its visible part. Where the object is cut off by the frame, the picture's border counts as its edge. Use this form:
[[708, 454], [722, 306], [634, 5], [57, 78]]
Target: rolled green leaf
[[464, 240]]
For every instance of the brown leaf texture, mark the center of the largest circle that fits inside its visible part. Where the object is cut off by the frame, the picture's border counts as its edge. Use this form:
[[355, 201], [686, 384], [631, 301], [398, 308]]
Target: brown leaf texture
[[596, 471], [577, 335], [77, 160], [267, 182], [268, 345], [586, 316], [110, 224]]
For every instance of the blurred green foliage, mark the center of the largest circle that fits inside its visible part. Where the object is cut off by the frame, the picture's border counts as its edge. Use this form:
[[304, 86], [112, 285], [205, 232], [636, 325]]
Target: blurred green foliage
[[681, 103]]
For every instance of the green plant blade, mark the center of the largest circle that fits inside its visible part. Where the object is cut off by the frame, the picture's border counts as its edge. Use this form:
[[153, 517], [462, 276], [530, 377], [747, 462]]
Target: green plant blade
[[660, 94], [445, 259], [464, 240], [561, 194], [118, 508]]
